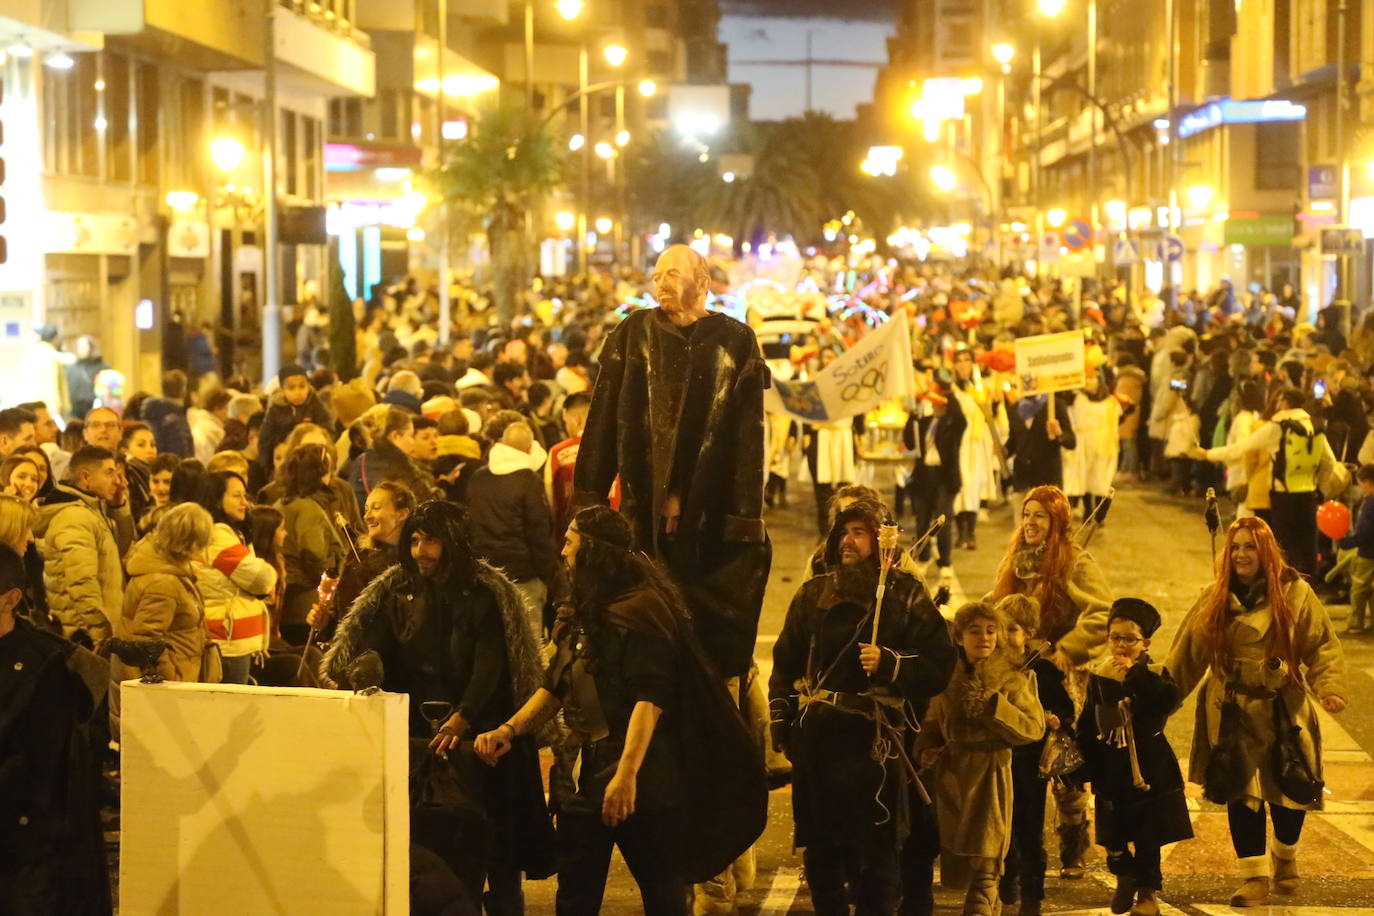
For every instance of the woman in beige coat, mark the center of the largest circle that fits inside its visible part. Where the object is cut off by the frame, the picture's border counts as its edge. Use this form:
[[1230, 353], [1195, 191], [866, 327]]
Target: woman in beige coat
[[1258, 636], [990, 706], [162, 601]]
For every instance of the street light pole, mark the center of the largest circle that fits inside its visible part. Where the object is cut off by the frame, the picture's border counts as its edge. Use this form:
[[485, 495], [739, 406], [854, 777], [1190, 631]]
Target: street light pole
[[440, 106], [1343, 271], [529, 54], [584, 114], [1093, 190], [1035, 157], [271, 312]]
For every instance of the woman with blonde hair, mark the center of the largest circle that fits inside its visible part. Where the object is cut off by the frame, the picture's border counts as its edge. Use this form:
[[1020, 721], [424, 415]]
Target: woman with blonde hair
[[1260, 643], [162, 602]]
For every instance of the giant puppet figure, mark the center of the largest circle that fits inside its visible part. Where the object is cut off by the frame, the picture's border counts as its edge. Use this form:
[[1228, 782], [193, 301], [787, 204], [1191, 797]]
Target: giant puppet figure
[[677, 414]]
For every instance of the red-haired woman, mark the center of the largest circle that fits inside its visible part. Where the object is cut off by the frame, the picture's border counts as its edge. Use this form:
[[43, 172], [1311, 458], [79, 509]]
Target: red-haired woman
[[1043, 561], [1259, 636]]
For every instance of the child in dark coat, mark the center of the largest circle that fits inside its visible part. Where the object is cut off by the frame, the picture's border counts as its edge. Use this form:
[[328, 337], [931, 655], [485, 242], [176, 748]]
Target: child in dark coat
[[1135, 816], [293, 404], [1026, 860]]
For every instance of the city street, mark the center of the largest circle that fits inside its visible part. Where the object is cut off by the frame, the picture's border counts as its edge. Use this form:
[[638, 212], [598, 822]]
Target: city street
[[1154, 547]]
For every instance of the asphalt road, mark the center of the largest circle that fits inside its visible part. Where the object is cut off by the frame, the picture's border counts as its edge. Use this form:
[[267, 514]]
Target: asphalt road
[[1153, 547]]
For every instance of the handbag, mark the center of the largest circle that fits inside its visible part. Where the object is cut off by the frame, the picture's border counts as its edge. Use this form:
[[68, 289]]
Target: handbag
[[1226, 776], [1292, 770], [1060, 756]]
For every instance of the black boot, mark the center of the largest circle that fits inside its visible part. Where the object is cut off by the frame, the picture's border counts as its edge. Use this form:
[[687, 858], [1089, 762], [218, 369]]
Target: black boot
[[1007, 888]]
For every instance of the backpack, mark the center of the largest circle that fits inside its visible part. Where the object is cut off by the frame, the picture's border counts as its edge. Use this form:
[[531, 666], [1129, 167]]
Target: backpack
[[1299, 455]]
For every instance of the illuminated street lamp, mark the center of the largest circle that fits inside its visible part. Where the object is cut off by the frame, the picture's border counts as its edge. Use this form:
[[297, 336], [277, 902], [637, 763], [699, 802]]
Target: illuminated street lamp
[[226, 153], [604, 224], [647, 88], [1056, 217], [622, 138], [570, 9], [605, 150], [576, 142], [615, 55], [1199, 196], [181, 201], [943, 177], [565, 220], [1003, 52], [1051, 8]]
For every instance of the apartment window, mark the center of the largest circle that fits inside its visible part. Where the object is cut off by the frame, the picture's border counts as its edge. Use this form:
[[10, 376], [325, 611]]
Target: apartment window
[[310, 157], [390, 119], [118, 114], [149, 115], [1276, 156], [71, 103], [290, 159]]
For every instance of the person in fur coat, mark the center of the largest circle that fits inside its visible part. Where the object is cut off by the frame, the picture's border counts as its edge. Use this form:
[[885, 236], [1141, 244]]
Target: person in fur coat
[[990, 706], [449, 627]]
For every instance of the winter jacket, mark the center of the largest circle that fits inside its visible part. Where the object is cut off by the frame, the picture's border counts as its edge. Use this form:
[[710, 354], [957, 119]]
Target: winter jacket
[[1249, 650], [313, 547], [511, 525], [233, 581], [1038, 460], [385, 461], [167, 419], [1150, 817], [281, 417], [207, 432], [161, 602], [83, 572], [1130, 389]]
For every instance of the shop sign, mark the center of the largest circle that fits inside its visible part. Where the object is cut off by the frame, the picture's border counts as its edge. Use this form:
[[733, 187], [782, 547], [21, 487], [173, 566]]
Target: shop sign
[[1270, 229], [1230, 111], [88, 233], [188, 239], [350, 157], [1342, 240]]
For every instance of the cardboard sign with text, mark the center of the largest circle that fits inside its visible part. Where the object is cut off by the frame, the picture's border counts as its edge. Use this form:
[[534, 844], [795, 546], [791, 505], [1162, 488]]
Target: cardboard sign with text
[[1050, 362]]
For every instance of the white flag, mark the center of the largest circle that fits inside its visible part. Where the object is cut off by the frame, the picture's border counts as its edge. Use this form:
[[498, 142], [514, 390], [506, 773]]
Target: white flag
[[876, 369]]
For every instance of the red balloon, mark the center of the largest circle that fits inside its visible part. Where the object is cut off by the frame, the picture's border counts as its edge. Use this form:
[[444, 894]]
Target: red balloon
[[1333, 519]]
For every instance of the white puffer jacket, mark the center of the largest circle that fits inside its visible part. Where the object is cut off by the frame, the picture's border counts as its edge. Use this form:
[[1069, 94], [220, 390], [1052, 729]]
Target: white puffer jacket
[[234, 581]]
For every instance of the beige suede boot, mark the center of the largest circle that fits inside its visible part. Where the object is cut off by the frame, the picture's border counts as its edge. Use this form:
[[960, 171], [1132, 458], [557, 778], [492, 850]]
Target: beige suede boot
[[1254, 890], [1285, 865]]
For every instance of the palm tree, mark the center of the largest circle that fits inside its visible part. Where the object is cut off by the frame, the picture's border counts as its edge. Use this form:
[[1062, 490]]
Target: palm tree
[[507, 160]]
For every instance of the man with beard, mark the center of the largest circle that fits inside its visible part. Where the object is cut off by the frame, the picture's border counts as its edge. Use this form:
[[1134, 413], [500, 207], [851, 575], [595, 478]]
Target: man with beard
[[831, 692], [677, 415], [448, 627]]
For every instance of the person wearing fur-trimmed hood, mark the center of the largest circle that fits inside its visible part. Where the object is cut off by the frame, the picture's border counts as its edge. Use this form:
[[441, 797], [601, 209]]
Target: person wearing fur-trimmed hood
[[447, 626]]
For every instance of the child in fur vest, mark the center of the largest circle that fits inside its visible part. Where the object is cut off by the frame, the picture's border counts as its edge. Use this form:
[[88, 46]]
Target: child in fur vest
[[1139, 797], [989, 707]]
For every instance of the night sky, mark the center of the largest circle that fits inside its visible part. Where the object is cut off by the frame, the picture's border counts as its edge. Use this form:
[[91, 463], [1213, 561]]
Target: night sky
[[847, 30]]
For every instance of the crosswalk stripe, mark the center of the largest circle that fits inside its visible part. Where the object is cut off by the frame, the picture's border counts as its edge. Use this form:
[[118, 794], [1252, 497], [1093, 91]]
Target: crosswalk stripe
[[782, 892]]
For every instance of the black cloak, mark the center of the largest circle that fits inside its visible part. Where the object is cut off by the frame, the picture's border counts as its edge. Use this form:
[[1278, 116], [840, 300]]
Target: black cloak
[[681, 410]]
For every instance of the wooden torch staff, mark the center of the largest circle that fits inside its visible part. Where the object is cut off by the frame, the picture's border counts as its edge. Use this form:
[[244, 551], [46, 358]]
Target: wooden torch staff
[[887, 552]]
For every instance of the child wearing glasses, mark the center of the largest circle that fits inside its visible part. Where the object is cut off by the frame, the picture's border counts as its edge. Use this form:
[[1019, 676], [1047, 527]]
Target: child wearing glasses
[[1134, 774]]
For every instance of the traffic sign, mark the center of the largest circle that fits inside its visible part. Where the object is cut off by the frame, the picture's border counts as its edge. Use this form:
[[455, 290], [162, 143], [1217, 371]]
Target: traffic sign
[[1170, 248], [1050, 243], [1125, 251], [1077, 235]]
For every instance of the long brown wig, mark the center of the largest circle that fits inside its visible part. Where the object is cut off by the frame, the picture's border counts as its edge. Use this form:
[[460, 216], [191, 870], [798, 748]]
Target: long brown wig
[[1050, 586], [1210, 621]]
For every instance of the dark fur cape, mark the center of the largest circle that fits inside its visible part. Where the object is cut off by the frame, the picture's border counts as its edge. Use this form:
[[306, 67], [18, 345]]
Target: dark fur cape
[[526, 671]]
